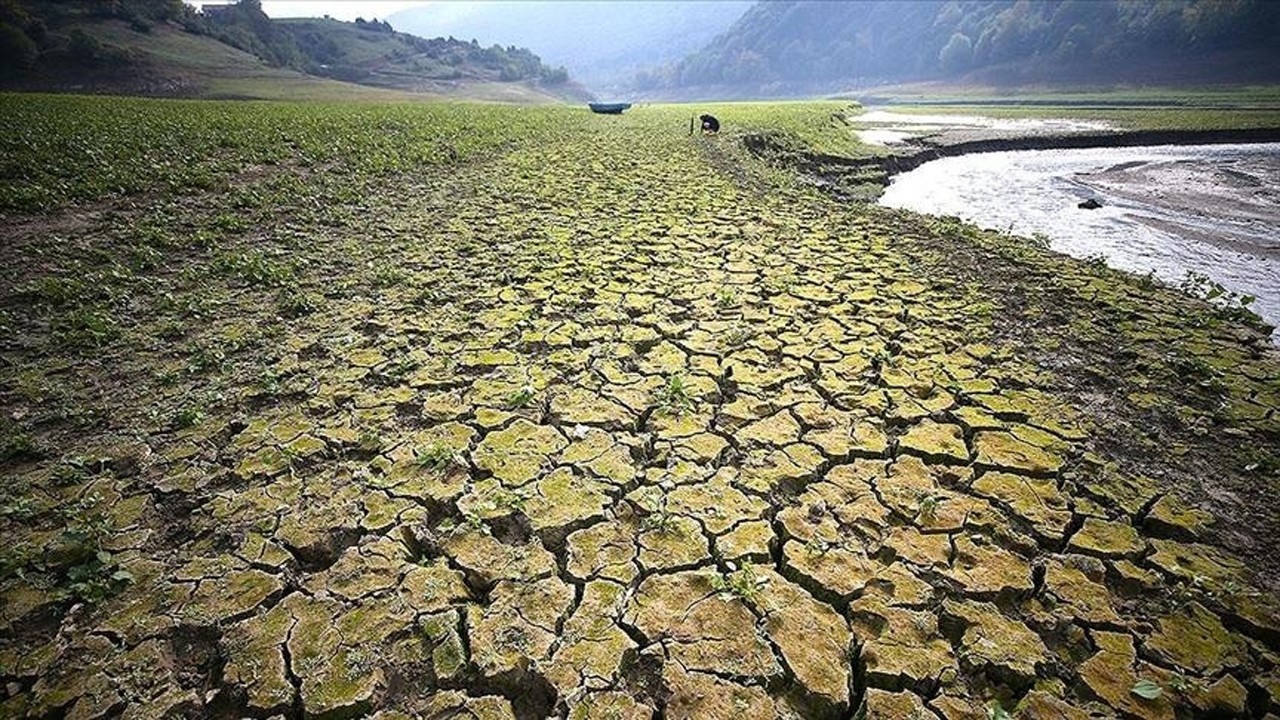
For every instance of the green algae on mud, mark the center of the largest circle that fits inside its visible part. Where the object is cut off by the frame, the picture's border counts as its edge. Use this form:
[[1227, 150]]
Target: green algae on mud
[[373, 407]]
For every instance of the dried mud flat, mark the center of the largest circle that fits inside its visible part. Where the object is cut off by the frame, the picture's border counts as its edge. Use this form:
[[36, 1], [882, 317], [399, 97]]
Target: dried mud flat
[[615, 423]]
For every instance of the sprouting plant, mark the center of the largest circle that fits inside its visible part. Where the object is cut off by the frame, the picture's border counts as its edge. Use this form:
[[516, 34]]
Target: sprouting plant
[[15, 443], [675, 397], [661, 519], [400, 367], [1232, 305], [86, 327], [737, 336], [1181, 593], [388, 275], [1261, 461], [741, 583], [436, 457], [1096, 260], [507, 500], [473, 521], [1147, 689], [187, 416], [97, 578], [19, 508], [996, 711], [92, 573], [726, 298], [817, 546], [72, 471], [206, 357], [520, 398], [928, 510], [370, 441], [294, 303], [1185, 685], [255, 268], [657, 515]]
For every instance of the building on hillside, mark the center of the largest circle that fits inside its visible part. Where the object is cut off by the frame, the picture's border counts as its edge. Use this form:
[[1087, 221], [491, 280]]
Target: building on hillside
[[216, 10]]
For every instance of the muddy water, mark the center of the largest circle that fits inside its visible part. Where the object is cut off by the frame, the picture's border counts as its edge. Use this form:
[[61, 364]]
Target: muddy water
[[1208, 209]]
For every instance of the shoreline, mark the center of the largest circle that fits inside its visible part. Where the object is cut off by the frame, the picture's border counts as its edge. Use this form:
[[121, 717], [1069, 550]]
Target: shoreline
[[896, 164], [848, 177]]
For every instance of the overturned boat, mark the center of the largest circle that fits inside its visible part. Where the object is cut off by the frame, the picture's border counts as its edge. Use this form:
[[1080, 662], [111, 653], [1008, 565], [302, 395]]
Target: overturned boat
[[608, 108]]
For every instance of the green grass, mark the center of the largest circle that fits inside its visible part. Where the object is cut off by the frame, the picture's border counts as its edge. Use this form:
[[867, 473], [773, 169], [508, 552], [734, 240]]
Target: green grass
[[62, 149]]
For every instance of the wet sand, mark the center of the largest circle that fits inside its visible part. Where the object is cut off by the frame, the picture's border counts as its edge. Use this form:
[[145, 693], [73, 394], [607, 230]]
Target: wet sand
[[1233, 202]]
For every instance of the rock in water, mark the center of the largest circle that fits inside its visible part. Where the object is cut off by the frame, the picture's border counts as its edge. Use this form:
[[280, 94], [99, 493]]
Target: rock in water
[[1090, 204]]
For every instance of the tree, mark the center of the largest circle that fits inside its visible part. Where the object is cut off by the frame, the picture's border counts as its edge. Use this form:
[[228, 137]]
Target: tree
[[17, 51], [85, 49], [556, 76], [957, 55]]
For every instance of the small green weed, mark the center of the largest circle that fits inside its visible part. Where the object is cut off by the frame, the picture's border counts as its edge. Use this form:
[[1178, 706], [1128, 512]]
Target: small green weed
[[436, 458], [86, 327], [737, 336], [19, 508], [726, 299], [742, 584], [97, 578], [520, 398], [386, 275], [928, 509], [674, 397], [1147, 689], [206, 357], [293, 303], [15, 443], [996, 711], [255, 268], [1231, 305]]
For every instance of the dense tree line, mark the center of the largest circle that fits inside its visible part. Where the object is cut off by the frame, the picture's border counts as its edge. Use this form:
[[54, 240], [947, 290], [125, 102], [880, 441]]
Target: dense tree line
[[887, 40], [30, 33]]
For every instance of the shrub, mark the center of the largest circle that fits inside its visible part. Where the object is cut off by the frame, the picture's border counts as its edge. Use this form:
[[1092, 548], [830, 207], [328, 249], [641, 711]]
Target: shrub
[[16, 49], [85, 49]]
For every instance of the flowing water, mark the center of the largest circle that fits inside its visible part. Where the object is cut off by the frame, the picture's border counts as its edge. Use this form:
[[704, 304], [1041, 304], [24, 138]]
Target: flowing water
[[1207, 209]]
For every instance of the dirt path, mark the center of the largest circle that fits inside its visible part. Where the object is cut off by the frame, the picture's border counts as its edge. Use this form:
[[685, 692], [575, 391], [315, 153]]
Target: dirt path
[[598, 429]]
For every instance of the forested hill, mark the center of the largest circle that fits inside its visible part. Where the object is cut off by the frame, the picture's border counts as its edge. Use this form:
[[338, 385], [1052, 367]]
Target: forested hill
[[792, 47], [166, 47]]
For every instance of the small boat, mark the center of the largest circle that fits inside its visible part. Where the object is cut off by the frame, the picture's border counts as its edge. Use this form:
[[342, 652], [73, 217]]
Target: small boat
[[608, 108]]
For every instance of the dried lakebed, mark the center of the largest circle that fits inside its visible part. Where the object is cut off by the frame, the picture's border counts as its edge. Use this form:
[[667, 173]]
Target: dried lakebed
[[589, 419]]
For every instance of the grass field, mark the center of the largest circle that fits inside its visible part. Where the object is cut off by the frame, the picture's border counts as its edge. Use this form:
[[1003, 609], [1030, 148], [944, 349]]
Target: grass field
[[461, 410]]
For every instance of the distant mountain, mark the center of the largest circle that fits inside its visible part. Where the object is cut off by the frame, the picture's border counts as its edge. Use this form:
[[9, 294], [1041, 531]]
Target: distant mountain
[[164, 47], [783, 48], [601, 43]]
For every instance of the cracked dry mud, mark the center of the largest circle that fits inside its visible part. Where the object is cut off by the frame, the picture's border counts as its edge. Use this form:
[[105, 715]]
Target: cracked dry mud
[[622, 424]]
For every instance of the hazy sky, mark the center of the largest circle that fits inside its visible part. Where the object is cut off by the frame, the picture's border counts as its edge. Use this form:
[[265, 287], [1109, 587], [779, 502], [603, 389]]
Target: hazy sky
[[337, 9]]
